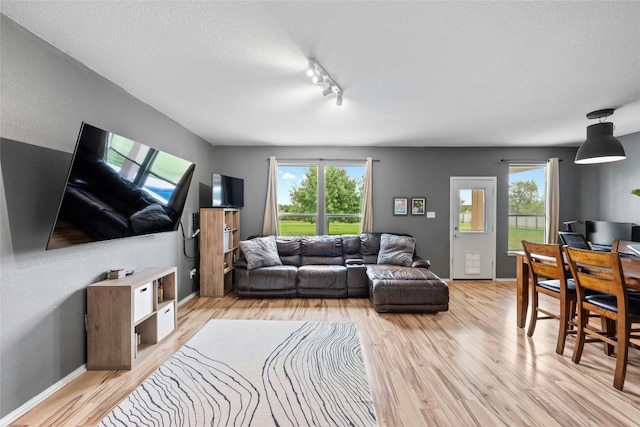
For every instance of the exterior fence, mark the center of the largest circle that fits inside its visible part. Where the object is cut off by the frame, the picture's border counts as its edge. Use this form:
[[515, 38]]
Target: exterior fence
[[535, 222]]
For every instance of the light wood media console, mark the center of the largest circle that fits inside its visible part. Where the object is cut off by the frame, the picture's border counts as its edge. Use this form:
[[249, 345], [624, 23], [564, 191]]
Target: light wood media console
[[126, 318]]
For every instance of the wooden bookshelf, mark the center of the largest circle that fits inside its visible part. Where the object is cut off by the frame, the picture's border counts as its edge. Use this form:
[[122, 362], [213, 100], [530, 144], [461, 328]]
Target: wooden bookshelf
[[219, 247]]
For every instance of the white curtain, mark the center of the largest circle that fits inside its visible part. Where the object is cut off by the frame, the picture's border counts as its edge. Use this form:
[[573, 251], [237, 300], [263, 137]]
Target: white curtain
[[366, 226], [552, 198], [270, 223]]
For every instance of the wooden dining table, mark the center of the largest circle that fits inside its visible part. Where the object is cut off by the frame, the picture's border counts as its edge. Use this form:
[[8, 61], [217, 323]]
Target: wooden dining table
[[630, 268]]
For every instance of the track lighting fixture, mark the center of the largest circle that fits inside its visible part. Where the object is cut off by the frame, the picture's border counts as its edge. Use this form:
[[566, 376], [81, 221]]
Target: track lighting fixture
[[320, 76], [600, 146]]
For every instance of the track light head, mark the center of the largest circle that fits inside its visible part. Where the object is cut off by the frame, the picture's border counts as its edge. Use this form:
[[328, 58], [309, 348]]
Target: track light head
[[311, 69], [320, 76]]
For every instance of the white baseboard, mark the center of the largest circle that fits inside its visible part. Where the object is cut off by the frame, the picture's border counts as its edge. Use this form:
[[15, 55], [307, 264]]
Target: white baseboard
[[187, 298], [35, 401], [32, 403]]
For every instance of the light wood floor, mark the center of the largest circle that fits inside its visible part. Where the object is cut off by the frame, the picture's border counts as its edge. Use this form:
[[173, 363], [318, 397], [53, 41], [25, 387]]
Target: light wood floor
[[468, 366]]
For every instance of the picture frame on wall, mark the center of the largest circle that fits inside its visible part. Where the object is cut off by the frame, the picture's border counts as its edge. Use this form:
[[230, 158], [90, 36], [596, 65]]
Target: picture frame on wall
[[418, 205], [400, 206]]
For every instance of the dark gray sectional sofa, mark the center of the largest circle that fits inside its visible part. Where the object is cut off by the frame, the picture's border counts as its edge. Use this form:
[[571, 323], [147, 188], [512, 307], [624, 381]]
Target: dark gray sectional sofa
[[380, 266]]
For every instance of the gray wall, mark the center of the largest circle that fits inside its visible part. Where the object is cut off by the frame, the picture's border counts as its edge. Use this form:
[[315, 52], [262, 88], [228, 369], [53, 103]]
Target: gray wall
[[606, 188], [410, 172], [46, 96]]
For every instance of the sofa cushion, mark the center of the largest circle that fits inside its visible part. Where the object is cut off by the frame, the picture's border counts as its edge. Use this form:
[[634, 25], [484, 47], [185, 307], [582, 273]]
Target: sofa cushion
[[329, 281], [274, 281], [397, 272], [260, 252], [396, 250], [321, 246], [289, 250], [351, 247], [369, 247]]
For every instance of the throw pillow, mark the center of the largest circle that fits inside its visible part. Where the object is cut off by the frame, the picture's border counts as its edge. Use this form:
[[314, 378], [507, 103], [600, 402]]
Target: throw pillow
[[151, 218], [396, 250], [260, 252]]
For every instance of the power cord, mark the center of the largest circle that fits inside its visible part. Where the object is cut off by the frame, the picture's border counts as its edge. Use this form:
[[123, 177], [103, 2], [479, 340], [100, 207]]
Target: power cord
[[185, 238]]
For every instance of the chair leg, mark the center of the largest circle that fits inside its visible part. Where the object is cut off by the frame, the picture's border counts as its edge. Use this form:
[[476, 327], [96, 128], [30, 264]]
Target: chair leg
[[534, 312], [623, 352], [609, 328], [583, 318], [572, 314], [563, 326]]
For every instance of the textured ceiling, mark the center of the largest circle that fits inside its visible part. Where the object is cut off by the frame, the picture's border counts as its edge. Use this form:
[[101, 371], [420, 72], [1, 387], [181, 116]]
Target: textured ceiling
[[413, 73]]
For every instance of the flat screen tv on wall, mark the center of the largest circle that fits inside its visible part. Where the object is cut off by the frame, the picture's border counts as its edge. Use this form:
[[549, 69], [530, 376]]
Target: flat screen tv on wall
[[118, 188]]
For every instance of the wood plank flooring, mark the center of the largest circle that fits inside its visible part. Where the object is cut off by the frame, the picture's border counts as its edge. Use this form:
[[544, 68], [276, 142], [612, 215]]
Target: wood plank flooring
[[470, 366]]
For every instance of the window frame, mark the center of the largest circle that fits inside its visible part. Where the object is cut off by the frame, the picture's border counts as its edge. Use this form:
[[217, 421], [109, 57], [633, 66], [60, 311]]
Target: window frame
[[542, 193], [321, 215]]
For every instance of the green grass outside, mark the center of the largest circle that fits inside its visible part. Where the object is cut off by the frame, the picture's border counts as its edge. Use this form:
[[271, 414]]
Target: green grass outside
[[516, 235], [300, 228]]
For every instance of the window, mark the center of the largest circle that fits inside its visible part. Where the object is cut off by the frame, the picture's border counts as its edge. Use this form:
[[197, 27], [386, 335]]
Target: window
[[472, 210], [320, 199], [526, 204], [155, 172]]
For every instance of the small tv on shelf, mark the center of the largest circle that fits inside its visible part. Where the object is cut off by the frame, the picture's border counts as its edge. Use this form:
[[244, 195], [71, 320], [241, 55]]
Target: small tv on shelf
[[118, 188], [226, 191]]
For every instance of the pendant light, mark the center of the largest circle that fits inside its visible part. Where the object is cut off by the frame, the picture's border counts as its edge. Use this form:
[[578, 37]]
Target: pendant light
[[600, 146]]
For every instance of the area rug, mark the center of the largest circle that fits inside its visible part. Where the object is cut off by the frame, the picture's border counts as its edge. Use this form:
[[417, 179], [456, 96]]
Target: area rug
[[256, 373]]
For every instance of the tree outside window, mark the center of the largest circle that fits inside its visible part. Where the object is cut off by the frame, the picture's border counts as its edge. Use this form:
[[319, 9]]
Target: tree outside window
[[320, 199]]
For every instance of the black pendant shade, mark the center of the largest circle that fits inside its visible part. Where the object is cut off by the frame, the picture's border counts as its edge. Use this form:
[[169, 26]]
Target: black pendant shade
[[600, 146]]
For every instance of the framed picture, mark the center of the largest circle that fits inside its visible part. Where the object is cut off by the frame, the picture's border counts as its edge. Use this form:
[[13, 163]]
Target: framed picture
[[400, 206], [418, 205]]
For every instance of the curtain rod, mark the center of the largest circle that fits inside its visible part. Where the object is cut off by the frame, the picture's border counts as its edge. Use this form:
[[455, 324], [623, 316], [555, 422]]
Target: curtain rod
[[526, 161], [323, 160]]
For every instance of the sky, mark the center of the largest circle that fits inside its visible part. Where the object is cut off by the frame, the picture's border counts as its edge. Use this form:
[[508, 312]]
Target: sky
[[290, 175]]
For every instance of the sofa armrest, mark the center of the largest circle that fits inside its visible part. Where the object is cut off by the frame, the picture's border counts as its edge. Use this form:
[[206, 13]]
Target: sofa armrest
[[419, 262], [240, 263]]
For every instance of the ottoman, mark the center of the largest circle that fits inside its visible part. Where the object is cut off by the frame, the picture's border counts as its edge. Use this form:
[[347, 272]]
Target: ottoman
[[398, 289]]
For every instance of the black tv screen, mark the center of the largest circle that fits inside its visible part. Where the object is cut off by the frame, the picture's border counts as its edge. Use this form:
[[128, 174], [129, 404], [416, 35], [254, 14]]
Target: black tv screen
[[118, 188], [226, 191]]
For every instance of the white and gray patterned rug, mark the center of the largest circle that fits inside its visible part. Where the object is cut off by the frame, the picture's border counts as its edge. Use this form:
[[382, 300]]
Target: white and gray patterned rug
[[256, 373]]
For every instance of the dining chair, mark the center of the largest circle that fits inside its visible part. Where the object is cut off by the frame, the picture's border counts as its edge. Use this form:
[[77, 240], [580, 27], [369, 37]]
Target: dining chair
[[550, 277], [600, 287], [622, 247]]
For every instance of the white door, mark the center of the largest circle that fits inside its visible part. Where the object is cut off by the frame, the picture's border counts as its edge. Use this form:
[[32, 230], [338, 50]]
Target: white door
[[473, 227]]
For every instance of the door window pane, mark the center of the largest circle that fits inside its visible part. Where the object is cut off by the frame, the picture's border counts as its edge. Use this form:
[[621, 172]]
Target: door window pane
[[472, 210]]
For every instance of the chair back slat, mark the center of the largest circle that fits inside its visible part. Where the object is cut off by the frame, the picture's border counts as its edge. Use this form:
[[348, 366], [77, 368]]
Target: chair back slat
[[545, 259], [597, 271]]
